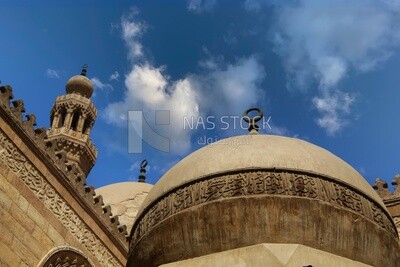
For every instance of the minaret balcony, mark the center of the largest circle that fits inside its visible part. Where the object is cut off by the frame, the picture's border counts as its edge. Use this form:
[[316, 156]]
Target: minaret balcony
[[78, 137]]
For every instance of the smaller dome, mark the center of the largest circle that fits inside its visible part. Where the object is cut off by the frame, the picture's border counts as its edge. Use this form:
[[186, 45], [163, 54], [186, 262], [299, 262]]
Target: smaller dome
[[81, 85], [125, 199]]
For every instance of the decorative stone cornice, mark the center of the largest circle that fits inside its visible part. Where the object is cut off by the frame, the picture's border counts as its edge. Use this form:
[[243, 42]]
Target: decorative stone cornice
[[48, 152], [284, 183], [78, 137]]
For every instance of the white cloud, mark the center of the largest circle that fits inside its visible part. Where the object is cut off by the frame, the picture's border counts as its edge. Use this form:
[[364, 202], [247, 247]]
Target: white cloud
[[257, 5], [100, 85], [53, 74], [229, 88], [114, 76], [222, 91], [223, 88], [278, 130], [132, 31], [199, 6], [149, 89], [333, 107], [322, 41]]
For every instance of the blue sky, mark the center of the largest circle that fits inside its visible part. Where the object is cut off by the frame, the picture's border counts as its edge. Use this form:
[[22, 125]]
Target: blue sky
[[325, 71]]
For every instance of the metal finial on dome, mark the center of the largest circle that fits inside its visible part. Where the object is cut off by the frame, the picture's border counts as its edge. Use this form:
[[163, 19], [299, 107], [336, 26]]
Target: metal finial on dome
[[84, 69], [253, 127], [142, 176]]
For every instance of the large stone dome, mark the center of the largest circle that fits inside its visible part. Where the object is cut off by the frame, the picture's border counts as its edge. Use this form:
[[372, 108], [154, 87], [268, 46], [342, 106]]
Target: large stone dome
[[254, 189]]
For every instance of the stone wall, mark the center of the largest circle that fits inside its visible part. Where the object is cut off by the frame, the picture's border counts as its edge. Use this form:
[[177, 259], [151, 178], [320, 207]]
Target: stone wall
[[24, 233], [27, 229]]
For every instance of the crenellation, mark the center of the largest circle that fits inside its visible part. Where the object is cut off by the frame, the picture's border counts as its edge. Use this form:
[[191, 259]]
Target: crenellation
[[107, 210], [18, 109], [60, 156], [29, 123], [89, 191], [72, 172], [390, 198], [98, 200], [6, 95], [79, 181], [51, 148], [381, 187], [396, 183], [123, 229], [39, 135]]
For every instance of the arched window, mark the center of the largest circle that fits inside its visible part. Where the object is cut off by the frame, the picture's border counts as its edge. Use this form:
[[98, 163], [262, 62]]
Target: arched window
[[65, 256], [52, 120], [86, 125], [75, 119], [63, 114]]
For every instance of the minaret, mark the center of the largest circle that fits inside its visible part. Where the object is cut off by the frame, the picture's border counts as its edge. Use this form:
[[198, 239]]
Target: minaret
[[72, 119]]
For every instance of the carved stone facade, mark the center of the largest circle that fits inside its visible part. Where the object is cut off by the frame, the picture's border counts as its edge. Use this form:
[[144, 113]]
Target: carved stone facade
[[53, 201], [47, 182]]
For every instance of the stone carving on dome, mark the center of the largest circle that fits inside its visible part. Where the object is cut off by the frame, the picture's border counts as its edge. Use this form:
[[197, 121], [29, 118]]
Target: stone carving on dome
[[263, 182], [396, 182], [349, 199]]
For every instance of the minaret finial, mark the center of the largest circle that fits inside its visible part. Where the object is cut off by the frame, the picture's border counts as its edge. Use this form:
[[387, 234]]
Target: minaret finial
[[253, 127], [84, 69], [142, 176]]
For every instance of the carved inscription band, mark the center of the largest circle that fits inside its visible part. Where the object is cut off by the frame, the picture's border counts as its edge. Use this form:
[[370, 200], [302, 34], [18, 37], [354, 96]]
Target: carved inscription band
[[252, 183]]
